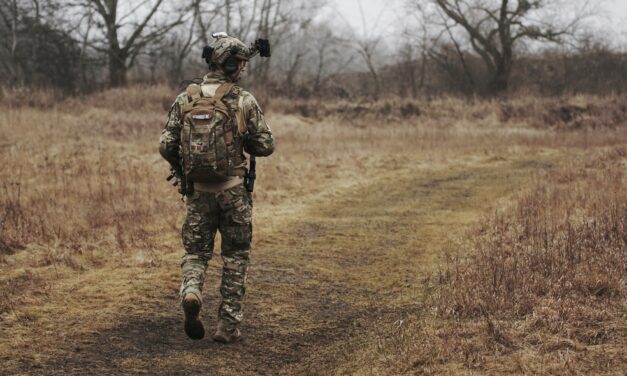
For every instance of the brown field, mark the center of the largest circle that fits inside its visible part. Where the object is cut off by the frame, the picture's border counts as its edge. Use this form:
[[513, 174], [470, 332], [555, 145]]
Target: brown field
[[438, 236]]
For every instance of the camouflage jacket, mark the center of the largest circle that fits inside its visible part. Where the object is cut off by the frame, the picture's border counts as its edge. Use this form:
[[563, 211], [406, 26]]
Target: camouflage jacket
[[258, 140]]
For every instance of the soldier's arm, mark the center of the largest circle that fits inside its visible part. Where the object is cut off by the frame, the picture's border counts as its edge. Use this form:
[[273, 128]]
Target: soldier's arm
[[258, 140], [171, 135]]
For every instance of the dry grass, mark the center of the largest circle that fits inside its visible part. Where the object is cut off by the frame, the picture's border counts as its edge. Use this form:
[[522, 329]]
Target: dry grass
[[70, 184], [563, 242], [89, 227], [546, 279], [564, 113], [537, 287], [98, 151]]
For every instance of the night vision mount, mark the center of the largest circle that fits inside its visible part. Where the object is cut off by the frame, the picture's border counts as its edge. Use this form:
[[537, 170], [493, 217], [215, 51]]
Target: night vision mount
[[261, 47]]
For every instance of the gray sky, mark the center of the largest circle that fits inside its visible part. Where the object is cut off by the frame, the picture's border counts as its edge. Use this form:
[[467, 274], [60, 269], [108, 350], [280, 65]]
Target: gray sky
[[612, 17]]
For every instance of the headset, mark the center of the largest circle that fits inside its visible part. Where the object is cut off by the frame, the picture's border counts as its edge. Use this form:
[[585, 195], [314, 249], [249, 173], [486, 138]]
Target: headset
[[231, 64]]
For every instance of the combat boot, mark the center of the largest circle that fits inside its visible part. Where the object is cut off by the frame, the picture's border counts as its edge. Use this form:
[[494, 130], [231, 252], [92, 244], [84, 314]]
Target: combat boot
[[225, 335], [193, 326]]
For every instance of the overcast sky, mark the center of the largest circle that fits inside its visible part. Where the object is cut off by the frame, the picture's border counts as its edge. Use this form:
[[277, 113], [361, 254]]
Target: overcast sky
[[612, 17]]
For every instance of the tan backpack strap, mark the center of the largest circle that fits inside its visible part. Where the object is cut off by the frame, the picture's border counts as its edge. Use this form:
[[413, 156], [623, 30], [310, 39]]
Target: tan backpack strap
[[193, 94], [186, 106], [223, 90], [240, 115], [193, 91]]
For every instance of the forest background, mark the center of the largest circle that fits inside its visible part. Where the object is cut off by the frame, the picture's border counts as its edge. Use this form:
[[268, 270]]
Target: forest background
[[411, 48]]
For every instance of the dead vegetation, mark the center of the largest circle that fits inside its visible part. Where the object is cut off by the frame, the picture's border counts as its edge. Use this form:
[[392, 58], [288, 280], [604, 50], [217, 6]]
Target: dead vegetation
[[564, 241], [539, 284], [546, 276], [99, 151], [568, 113], [559, 113]]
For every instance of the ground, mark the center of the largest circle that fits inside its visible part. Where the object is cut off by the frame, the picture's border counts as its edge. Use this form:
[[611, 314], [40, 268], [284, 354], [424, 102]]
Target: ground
[[345, 239]]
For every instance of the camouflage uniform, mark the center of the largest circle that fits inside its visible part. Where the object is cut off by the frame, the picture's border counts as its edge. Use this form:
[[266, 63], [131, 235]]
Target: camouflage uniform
[[224, 207]]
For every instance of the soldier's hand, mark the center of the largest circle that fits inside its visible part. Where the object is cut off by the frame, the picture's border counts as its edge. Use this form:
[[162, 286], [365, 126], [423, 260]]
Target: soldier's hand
[[180, 186]]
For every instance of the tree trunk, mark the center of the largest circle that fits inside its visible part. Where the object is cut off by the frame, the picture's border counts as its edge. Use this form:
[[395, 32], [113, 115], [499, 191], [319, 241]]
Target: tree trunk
[[117, 69], [498, 84], [227, 5], [500, 77]]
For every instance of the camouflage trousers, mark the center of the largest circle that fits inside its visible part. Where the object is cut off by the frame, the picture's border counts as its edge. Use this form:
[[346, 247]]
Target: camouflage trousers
[[230, 212]]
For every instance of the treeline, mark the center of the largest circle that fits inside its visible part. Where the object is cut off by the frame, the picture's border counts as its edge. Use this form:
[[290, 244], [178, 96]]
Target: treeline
[[446, 46]]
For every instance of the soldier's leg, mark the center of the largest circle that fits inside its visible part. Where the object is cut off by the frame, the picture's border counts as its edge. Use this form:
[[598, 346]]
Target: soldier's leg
[[236, 231], [198, 233]]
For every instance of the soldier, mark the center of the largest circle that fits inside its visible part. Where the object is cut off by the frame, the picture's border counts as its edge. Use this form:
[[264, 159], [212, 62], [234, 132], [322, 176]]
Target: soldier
[[209, 127]]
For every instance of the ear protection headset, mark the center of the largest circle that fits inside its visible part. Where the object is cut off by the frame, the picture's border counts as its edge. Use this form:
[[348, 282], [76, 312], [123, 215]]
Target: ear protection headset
[[230, 65]]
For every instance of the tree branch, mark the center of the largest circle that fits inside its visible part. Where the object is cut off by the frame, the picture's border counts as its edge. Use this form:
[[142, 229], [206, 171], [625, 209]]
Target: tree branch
[[141, 26]]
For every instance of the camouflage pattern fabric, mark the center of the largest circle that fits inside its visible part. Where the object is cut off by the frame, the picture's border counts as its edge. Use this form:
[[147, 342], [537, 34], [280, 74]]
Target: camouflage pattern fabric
[[258, 139], [223, 47], [230, 212]]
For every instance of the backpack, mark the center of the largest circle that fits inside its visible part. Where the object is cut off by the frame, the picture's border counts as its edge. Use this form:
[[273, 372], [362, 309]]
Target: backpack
[[211, 135]]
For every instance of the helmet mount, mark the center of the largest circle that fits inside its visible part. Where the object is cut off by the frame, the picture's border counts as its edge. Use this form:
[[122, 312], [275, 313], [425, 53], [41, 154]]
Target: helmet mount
[[225, 50]]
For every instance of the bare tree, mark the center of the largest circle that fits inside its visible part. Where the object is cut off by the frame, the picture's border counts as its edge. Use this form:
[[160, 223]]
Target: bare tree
[[451, 57], [495, 27], [366, 45], [121, 53], [327, 46], [272, 16], [9, 14], [18, 22], [34, 48], [298, 52], [367, 49], [187, 35], [206, 13], [407, 70]]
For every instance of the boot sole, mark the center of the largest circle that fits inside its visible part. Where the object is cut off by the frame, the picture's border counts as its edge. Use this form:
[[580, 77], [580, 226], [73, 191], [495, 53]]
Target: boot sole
[[221, 339], [193, 326]]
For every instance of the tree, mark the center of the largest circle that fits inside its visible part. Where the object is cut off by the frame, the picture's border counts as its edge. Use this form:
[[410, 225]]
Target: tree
[[327, 48], [34, 49], [367, 47], [495, 27], [187, 35], [121, 54], [299, 50]]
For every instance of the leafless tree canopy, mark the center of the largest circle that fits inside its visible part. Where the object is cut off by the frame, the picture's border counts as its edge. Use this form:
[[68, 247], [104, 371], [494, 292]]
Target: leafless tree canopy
[[470, 46], [495, 27]]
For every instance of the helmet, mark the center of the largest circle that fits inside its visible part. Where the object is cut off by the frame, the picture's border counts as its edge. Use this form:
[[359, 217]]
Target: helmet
[[224, 47]]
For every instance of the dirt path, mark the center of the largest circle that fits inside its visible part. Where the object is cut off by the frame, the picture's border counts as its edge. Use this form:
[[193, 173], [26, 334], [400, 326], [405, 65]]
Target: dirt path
[[329, 277]]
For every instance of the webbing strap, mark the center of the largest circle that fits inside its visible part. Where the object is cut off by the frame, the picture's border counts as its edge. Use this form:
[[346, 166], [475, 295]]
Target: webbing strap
[[223, 90], [240, 119], [194, 92], [240, 115]]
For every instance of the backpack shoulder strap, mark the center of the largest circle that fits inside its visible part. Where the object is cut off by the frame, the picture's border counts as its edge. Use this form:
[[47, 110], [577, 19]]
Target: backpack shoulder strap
[[223, 90], [193, 91], [240, 115], [193, 94]]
